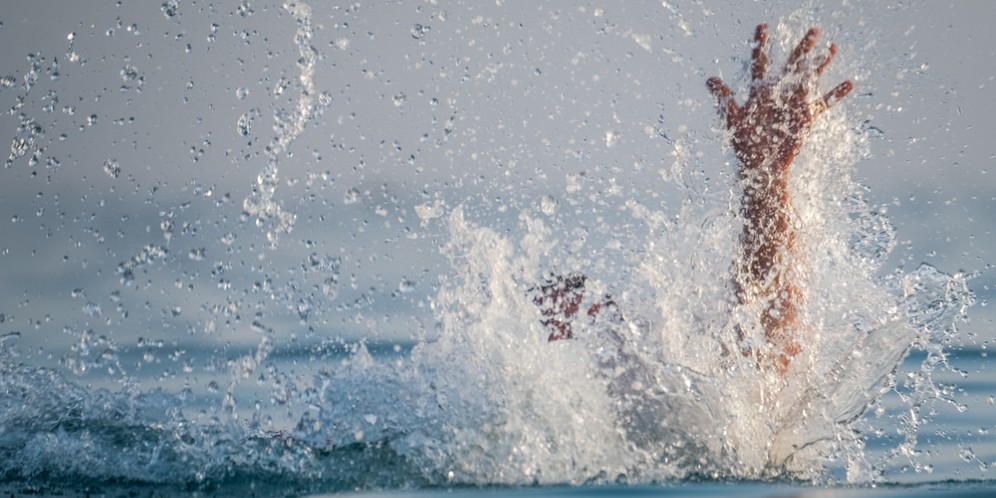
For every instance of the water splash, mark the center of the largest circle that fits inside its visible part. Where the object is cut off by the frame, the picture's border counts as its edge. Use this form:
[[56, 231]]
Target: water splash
[[662, 395], [262, 203]]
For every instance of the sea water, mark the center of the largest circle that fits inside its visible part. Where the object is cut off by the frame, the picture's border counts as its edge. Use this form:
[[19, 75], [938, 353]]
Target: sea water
[[478, 400]]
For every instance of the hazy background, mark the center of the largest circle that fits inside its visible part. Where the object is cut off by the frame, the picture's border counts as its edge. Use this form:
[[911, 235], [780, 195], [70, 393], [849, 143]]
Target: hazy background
[[139, 128]]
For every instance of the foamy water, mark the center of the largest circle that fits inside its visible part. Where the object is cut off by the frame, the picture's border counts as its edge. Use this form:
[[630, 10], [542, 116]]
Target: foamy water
[[480, 396]]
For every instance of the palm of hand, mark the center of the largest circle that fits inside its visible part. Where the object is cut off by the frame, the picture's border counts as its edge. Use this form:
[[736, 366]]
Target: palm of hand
[[768, 129]]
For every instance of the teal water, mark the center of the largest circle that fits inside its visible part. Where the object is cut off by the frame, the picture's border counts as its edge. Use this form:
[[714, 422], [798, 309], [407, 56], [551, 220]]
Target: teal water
[[957, 489], [955, 442]]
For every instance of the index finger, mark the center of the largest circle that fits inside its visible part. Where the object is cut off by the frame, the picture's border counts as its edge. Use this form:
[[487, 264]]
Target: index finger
[[759, 55]]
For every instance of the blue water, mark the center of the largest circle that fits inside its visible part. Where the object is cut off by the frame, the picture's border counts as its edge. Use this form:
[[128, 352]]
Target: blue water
[[110, 433]]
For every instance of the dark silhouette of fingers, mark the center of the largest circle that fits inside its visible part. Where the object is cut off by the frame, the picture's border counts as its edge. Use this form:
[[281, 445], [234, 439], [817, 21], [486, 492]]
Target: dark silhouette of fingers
[[760, 55], [724, 96], [718, 88], [823, 67], [805, 45]]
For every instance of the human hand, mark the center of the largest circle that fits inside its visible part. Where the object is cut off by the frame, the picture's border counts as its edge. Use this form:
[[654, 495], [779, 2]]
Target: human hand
[[768, 129]]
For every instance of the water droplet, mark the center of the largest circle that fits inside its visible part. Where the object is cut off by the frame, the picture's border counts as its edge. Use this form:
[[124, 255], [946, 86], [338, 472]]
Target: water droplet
[[419, 31], [197, 254], [244, 10], [129, 73], [611, 137], [112, 168], [406, 285], [241, 93], [399, 100], [244, 125], [352, 196], [330, 287], [548, 205], [18, 147], [170, 8], [91, 309]]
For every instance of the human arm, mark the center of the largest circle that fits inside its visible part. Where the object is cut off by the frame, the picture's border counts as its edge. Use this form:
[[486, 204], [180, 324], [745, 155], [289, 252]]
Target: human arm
[[767, 134]]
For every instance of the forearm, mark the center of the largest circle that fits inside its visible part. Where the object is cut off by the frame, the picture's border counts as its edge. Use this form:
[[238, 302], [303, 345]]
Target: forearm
[[768, 236]]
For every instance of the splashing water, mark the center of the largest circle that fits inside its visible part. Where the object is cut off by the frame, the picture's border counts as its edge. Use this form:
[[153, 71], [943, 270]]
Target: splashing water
[[262, 203], [657, 397], [661, 394]]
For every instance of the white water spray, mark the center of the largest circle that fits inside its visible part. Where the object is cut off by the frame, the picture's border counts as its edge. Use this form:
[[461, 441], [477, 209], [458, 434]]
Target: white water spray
[[262, 203]]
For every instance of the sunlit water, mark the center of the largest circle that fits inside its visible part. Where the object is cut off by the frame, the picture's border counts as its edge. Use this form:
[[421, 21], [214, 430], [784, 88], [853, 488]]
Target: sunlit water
[[479, 396]]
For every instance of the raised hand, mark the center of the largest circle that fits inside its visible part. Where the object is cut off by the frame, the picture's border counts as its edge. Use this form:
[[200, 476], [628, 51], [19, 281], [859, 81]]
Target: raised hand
[[771, 124], [767, 134]]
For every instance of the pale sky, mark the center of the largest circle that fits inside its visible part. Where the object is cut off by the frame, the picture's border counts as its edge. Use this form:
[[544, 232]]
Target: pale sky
[[134, 117]]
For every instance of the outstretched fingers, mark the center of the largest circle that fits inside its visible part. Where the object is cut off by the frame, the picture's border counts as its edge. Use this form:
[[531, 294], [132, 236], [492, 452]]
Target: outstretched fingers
[[724, 96], [759, 55], [805, 45]]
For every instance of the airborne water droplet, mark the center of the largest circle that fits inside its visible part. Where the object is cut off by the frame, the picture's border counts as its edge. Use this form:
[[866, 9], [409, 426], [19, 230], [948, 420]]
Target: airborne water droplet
[[170, 8], [112, 168], [406, 285], [419, 31], [548, 205], [244, 10], [91, 309], [129, 73], [330, 287], [244, 125]]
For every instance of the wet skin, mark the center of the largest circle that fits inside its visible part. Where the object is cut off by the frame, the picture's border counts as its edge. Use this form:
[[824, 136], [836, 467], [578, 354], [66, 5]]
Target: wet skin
[[767, 133]]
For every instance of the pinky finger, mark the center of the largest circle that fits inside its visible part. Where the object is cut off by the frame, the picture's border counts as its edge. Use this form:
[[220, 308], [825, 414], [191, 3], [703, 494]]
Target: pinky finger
[[832, 97], [838, 93], [724, 96], [718, 88]]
